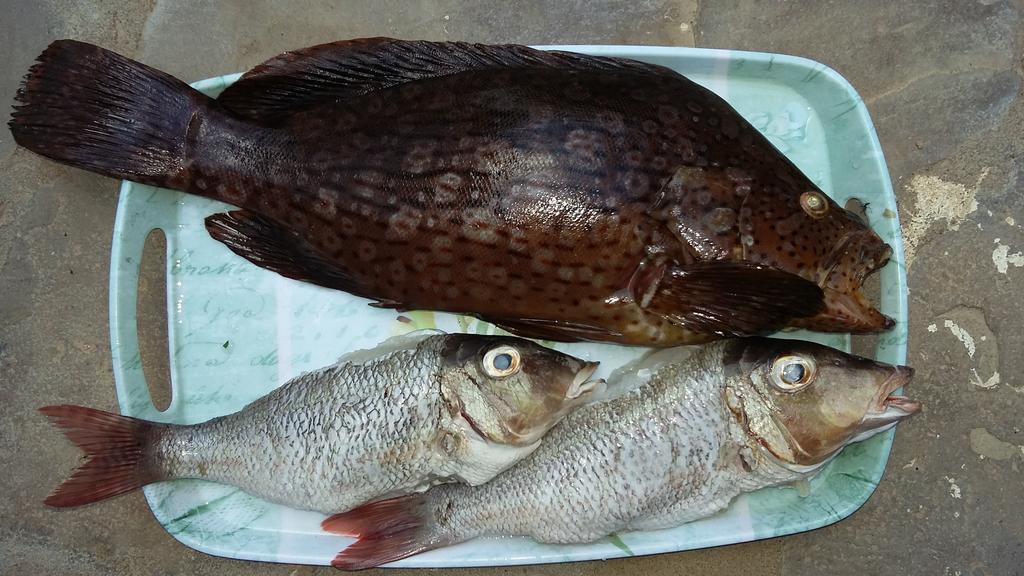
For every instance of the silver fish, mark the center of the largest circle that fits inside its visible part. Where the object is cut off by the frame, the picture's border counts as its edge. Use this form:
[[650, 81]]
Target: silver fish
[[417, 411], [704, 427]]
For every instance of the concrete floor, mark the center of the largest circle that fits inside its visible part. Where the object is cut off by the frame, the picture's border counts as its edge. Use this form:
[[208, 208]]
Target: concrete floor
[[942, 82]]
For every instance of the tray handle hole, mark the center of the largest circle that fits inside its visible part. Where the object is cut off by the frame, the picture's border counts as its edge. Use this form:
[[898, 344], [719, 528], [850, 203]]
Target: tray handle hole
[[151, 319]]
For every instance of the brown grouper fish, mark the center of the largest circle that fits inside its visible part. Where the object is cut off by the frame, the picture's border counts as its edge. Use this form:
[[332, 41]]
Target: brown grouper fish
[[557, 195]]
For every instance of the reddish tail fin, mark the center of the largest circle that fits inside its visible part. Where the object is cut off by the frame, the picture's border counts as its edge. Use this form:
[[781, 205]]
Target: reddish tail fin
[[388, 530], [94, 109], [114, 445]]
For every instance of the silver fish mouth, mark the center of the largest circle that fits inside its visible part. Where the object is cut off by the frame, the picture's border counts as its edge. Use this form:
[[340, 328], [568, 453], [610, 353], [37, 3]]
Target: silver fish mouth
[[891, 408], [582, 384]]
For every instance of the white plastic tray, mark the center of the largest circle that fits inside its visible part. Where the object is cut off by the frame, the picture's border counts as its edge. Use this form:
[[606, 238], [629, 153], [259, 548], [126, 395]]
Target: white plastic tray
[[237, 331]]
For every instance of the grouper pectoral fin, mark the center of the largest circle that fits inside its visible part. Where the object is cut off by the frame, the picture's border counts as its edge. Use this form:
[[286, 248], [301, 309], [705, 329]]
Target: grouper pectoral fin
[[270, 245], [729, 298], [554, 330]]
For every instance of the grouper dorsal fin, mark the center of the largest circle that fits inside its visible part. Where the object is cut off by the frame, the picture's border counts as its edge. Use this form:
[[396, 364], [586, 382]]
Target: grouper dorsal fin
[[298, 80]]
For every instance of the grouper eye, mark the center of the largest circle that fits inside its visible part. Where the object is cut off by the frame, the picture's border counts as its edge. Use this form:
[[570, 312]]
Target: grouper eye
[[792, 373], [501, 362], [814, 203]]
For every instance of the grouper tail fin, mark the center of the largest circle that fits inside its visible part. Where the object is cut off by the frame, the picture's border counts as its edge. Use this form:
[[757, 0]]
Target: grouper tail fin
[[94, 109]]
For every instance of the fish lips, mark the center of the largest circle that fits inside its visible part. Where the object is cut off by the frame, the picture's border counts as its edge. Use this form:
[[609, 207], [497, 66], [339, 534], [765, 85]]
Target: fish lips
[[846, 305], [890, 408], [878, 259], [582, 384], [853, 313]]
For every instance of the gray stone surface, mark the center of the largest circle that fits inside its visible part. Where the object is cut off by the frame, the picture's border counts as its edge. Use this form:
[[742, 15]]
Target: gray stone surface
[[943, 84]]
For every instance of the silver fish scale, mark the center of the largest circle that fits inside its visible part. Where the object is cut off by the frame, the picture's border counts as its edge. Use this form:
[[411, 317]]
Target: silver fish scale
[[327, 440], [654, 458]]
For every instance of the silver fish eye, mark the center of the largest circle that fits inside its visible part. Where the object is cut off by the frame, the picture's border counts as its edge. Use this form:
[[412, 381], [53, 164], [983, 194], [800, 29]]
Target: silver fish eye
[[791, 373], [501, 362]]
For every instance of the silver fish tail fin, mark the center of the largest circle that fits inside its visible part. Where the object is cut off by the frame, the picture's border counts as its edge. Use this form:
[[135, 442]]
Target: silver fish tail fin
[[387, 531], [97, 110], [115, 447]]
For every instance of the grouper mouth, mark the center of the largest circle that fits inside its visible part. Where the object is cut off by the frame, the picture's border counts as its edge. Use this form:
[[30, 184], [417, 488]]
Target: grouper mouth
[[847, 308]]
